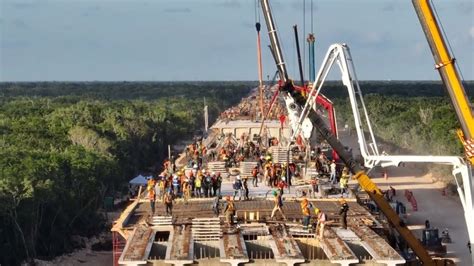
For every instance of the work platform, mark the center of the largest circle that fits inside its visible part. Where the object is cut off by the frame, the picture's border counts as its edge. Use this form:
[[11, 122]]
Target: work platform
[[194, 235]]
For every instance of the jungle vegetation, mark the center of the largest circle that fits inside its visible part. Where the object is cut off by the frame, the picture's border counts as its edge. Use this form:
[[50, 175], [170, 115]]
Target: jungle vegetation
[[65, 146]]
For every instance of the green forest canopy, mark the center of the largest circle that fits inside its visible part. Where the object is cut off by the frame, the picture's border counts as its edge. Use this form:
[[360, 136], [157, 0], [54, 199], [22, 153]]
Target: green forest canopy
[[64, 149]]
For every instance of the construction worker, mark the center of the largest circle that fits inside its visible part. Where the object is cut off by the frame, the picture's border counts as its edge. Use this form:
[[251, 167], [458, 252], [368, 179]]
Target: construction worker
[[186, 191], [237, 186], [305, 209], [158, 186], [219, 183], [266, 173], [343, 182], [245, 188], [175, 185], [255, 176], [282, 185], [332, 176], [169, 202], [152, 197], [150, 184], [343, 212], [229, 210], [197, 185], [206, 184], [320, 222], [278, 204], [216, 205], [315, 186], [214, 184]]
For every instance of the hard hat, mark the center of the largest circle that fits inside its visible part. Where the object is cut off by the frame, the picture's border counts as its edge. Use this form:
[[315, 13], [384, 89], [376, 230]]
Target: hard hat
[[274, 193], [227, 198], [316, 210], [342, 201], [238, 177], [268, 157], [283, 178], [175, 177], [195, 166]]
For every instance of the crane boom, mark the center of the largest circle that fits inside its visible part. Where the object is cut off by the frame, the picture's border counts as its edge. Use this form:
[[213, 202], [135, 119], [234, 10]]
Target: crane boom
[[445, 64]]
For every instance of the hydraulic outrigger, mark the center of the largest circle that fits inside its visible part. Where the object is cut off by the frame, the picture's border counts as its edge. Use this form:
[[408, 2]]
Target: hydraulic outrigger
[[298, 104]]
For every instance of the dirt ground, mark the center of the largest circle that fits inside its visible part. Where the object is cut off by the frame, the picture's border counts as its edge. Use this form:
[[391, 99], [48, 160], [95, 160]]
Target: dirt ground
[[442, 211]]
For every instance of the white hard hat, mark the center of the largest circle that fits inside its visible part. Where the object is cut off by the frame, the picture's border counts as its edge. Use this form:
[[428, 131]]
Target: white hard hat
[[195, 166], [238, 177], [283, 178], [213, 173]]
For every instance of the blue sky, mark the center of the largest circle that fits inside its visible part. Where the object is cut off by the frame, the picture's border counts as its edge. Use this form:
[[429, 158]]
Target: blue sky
[[85, 40]]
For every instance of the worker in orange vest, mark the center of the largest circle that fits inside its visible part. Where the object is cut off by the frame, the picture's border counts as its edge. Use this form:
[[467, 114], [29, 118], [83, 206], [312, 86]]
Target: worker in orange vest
[[229, 210], [152, 198], [305, 209]]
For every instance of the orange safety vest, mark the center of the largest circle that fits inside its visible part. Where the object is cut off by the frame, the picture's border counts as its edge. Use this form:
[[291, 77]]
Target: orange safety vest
[[305, 207], [151, 194]]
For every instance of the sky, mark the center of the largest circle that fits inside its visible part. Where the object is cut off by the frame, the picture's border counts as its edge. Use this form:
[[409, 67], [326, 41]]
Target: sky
[[167, 40]]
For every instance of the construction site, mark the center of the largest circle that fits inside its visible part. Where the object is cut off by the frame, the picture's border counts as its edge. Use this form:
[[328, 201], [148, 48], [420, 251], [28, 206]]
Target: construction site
[[193, 234], [284, 140]]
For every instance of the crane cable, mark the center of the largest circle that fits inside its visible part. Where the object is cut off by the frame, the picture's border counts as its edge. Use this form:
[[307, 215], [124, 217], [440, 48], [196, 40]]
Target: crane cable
[[304, 29], [447, 41], [259, 58]]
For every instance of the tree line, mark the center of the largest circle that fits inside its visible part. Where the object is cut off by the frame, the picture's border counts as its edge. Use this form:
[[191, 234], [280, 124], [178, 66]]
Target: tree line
[[63, 150]]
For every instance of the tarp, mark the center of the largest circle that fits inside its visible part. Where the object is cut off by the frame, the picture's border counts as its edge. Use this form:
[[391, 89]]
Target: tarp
[[139, 180]]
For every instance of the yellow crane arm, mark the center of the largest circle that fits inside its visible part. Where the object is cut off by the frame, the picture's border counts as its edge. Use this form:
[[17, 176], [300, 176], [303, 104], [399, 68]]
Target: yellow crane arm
[[445, 64]]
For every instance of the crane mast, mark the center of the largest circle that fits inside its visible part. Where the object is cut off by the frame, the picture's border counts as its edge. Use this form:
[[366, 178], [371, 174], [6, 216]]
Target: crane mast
[[274, 41]]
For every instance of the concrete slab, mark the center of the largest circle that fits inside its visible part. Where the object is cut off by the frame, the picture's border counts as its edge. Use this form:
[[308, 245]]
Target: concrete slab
[[138, 247], [336, 249], [180, 250], [232, 247], [284, 246]]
